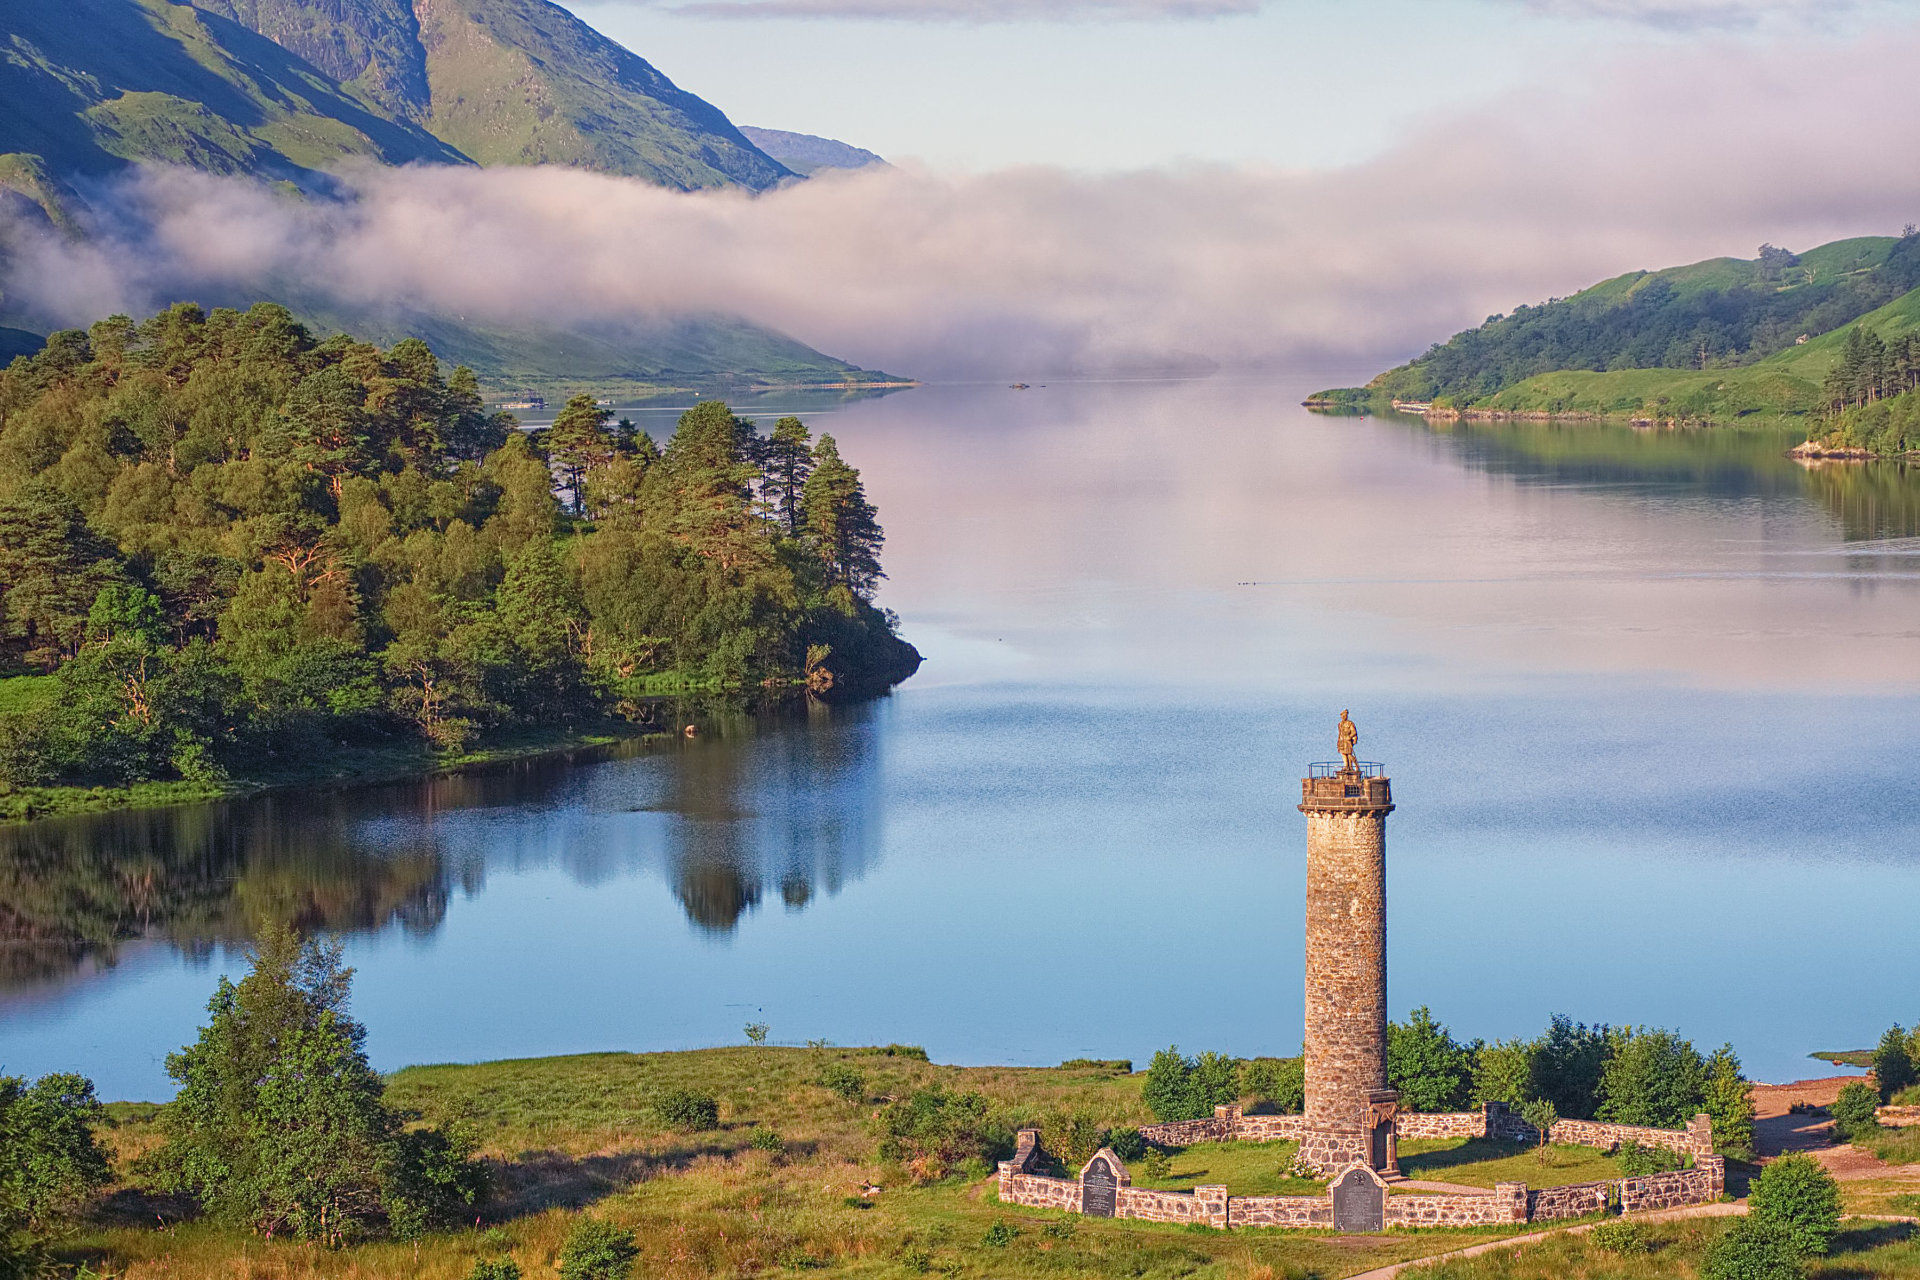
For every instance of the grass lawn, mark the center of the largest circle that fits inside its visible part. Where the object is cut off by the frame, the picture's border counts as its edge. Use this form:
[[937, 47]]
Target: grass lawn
[[573, 1135], [1895, 1146], [1481, 1162], [1884, 1251], [1244, 1168]]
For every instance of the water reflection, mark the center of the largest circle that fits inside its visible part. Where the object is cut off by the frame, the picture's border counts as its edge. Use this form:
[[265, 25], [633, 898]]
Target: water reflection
[[1870, 501], [756, 805]]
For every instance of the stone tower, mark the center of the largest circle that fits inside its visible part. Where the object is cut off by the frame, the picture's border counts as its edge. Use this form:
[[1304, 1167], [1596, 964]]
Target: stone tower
[[1350, 1110]]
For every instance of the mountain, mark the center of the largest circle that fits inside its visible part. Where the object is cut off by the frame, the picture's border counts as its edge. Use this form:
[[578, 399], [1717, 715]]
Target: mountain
[[514, 82], [805, 154], [286, 89], [88, 85], [1724, 338]]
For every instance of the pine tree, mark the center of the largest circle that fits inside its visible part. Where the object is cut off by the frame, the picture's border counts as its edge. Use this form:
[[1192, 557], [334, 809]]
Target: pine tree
[[842, 524], [789, 464], [579, 444]]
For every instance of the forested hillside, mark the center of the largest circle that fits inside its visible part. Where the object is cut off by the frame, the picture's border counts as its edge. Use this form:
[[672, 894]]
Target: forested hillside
[[1728, 336], [225, 545]]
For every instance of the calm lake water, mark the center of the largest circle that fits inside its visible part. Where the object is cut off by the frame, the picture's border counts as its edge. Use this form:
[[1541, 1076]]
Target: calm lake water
[[1648, 699]]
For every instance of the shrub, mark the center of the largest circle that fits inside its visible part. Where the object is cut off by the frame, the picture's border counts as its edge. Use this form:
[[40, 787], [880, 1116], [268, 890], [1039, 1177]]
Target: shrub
[[847, 1083], [1118, 1066], [494, 1269], [1853, 1112], [1127, 1144], [1637, 1161], [1753, 1250], [1503, 1072], [1182, 1088], [756, 1032], [999, 1235], [910, 1051], [767, 1140], [1652, 1078], [1072, 1138], [597, 1250], [1432, 1071], [936, 1131], [1620, 1237], [688, 1109], [50, 1164], [1892, 1064], [1279, 1081], [1798, 1195], [1155, 1163], [1729, 1101]]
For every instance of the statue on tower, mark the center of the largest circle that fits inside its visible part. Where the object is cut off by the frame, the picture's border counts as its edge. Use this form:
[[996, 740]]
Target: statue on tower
[[1349, 739]]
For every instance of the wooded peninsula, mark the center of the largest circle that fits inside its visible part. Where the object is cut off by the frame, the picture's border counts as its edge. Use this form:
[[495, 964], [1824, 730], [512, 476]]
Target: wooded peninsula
[[233, 552]]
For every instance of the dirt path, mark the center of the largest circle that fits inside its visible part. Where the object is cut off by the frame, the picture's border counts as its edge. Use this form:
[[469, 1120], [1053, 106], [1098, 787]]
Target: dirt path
[[1513, 1242], [1777, 1130]]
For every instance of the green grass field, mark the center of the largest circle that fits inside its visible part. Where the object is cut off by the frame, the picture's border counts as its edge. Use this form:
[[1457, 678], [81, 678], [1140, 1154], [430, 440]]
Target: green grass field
[[1481, 1162], [573, 1135], [1883, 1251], [1244, 1168]]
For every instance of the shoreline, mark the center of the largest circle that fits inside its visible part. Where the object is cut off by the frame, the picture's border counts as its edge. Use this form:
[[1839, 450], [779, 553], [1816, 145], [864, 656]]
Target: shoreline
[[364, 767]]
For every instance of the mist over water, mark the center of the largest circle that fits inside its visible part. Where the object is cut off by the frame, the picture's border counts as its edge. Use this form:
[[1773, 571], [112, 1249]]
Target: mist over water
[[1648, 701]]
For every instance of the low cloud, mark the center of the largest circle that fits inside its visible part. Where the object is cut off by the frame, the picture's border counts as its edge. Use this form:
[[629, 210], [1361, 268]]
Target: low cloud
[[1708, 15], [1041, 270], [969, 11]]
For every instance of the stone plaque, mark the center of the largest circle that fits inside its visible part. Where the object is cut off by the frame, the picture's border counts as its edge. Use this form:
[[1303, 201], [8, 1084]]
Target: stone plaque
[[1097, 1189], [1359, 1204]]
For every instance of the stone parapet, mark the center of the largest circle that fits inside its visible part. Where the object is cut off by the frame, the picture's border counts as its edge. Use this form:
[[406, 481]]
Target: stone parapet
[[1441, 1124], [1038, 1192], [1551, 1204], [1280, 1211], [1202, 1204], [1507, 1204], [1702, 1184]]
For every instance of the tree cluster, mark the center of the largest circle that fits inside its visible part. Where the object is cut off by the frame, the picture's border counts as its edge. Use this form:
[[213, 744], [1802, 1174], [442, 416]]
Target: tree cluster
[[236, 543], [1179, 1087], [1872, 368], [281, 1125], [50, 1164], [1657, 326]]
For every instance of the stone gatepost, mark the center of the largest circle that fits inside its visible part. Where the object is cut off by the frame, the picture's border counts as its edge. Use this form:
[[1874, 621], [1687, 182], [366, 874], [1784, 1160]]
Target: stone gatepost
[[1700, 1134], [1213, 1204], [1514, 1194]]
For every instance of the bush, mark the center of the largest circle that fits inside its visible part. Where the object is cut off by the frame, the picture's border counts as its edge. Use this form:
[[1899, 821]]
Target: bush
[[1072, 1138], [1753, 1250], [1652, 1078], [1798, 1195], [1279, 1081], [1637, 1161], [935, 1132], [1892, 1064], [844, 1082], [597, 1250], [999, 1235], [1729, 1101], [1181, 1088], [50, 1164], [1127, 1144], [1431, 1070], [1621, 1238], [688, 1109], [1853, 1112], [1118, 1066], [494, 1269]]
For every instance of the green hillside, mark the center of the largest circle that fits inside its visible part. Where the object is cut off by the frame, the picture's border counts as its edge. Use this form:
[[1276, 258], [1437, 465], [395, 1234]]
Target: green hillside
[[88, 85], [1724, 338]]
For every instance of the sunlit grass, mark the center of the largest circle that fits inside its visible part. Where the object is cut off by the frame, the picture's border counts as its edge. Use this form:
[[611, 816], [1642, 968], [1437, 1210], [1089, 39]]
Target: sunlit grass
[[1481, 1162]]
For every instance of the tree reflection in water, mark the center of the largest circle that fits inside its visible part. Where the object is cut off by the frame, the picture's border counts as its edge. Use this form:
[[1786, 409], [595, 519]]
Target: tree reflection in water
[[753, 805]]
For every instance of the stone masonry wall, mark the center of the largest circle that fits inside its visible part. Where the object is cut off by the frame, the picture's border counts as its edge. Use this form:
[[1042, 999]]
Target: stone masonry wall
[[1576, 1201], [1695, 1140], [1226, 1124], [1184, 1133], [1508, 1203], [1280, 1211], [1202, 1204], [1703, 1183], [1441, 1124], [1038, 1192]]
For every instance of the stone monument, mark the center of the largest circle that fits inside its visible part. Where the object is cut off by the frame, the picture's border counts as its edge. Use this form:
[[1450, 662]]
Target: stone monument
[[1350, 1109]]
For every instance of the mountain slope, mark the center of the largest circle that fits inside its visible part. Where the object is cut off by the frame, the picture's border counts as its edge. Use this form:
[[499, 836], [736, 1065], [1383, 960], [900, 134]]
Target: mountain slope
[[515, 82], [1736, 336], [804, 153], [88, 85]]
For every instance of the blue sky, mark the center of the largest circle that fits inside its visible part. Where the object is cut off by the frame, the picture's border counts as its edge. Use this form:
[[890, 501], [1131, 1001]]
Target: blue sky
[[1292, 83]]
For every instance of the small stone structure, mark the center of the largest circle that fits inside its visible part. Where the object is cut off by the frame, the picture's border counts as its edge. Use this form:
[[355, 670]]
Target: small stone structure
[[1105, 1189]]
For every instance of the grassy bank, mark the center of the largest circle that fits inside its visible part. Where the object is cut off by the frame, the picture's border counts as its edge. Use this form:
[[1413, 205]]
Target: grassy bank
[[345, 765], [1675, 1250], [577, 1135]]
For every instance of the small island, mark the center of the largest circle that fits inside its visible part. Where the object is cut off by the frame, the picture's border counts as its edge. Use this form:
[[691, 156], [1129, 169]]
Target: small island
[[235, 554]]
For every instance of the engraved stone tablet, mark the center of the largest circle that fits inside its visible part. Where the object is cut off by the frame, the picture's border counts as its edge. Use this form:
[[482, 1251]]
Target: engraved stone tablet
[[1359, 1204]]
